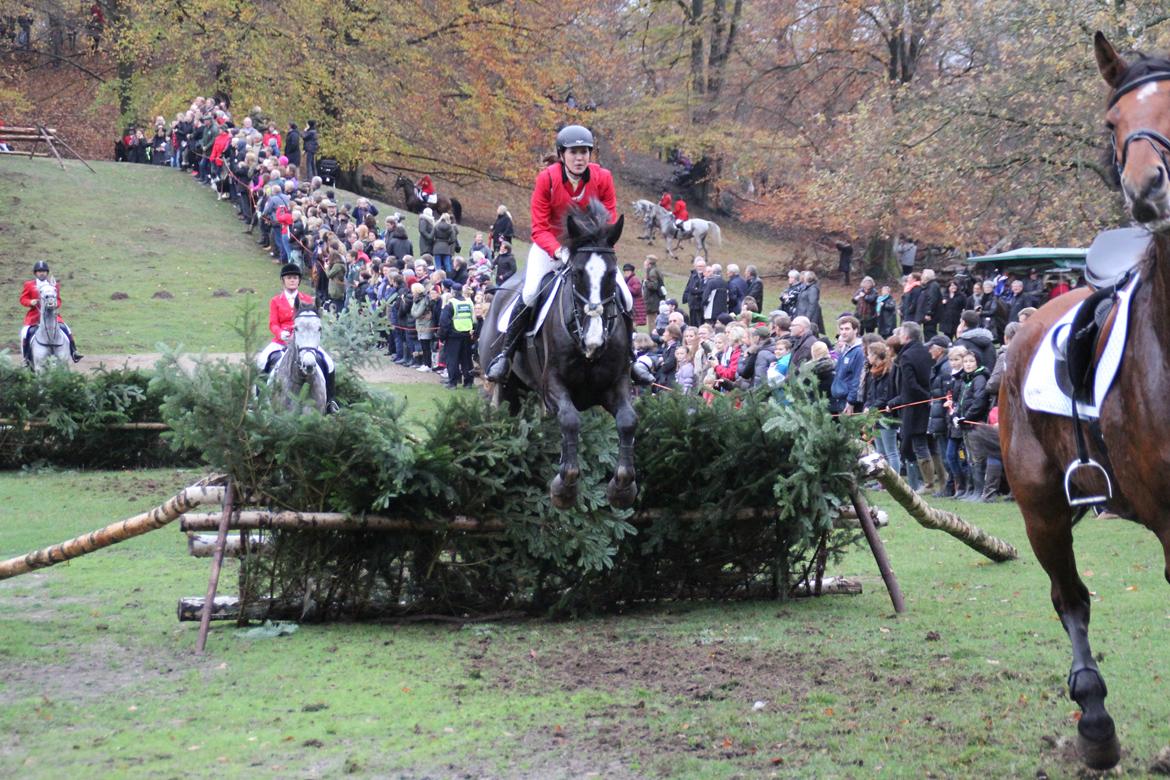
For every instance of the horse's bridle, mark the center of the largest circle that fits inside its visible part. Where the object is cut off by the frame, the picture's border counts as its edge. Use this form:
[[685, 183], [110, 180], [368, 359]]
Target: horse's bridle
[[1159, 142], [584, 309]]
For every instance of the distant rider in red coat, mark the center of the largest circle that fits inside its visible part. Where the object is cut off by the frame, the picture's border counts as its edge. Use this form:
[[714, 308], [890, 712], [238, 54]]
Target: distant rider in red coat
[[571, 182], [30, 298], [426, 190], [665, 202], [282, 314], [680, 214]]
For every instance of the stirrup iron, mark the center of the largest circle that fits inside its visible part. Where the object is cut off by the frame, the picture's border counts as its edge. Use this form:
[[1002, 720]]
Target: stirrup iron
[[1086, 500]]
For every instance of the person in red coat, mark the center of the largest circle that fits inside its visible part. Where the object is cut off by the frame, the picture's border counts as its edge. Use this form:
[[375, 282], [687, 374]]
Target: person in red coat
[[570, 182], [665, 202], [426, 190], [282, 314], [635, 286], [30, 298], [680, 214]]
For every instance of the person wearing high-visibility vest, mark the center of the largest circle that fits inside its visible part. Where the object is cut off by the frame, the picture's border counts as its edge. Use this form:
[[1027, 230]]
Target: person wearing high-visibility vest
[[455, 326]]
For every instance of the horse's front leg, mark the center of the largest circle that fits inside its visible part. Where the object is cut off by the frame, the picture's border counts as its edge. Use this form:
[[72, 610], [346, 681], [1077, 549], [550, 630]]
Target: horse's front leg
[[623, 488], [563, 488], [1052, 542]]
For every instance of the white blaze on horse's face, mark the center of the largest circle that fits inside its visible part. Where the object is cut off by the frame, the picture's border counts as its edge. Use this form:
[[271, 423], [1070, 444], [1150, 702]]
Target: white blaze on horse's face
[[595, 330], [307, 333]]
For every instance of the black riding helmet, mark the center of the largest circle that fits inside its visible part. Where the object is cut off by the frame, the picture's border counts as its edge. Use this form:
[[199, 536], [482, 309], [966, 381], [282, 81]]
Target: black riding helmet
[[290, 269], [40, 265], [572, 136]]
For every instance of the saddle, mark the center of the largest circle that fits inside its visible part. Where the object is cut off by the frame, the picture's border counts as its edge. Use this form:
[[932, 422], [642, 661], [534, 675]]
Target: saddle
[[1109, 267]]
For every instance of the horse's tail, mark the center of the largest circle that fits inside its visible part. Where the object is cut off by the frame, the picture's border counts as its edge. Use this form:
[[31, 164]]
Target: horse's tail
[[717, 233], [457, 210]]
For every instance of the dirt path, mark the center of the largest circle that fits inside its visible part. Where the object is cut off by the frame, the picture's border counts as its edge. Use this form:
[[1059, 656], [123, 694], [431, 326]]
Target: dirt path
[[382, 372]]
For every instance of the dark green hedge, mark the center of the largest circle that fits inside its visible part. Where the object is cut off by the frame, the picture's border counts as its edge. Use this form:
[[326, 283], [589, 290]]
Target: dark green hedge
[[78, 410], [704, 460]]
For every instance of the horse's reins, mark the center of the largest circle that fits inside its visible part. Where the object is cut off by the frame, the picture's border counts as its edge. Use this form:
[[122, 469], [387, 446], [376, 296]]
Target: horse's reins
[[1159, 142]]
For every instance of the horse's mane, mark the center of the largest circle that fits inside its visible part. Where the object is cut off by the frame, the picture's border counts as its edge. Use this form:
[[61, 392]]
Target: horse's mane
[[592, 223]]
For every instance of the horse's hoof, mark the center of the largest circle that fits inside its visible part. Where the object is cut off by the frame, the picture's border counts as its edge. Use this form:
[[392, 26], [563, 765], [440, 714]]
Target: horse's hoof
[[562, 493], [621, 496], [1100, 753]]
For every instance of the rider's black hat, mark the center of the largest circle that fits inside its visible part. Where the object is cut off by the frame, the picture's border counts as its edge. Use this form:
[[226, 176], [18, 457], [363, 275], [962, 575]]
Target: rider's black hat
[[40, 265], [290, 269]]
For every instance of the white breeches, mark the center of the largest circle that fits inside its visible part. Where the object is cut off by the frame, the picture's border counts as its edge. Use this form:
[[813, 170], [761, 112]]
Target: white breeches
[[539, 264], [264, 354]]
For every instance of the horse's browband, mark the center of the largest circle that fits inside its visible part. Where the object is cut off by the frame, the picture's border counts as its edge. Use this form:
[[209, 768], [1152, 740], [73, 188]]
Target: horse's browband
[[609, 250], [1125, 89]]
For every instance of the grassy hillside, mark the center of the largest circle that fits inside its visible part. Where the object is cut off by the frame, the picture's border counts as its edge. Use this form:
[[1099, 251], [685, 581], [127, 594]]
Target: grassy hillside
[[141, 230]]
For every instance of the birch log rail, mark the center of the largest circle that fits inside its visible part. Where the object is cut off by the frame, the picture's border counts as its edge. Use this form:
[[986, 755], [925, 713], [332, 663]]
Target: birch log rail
[[876, 467], [203, 492]]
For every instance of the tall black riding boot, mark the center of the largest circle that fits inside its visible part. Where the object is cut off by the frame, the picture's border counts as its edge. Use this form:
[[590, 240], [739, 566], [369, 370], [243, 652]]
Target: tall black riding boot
[[521, 317], [77, 356]]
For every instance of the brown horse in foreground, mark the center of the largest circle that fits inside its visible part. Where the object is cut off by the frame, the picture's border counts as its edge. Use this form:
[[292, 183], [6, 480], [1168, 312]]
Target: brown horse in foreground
[[1135, 415]]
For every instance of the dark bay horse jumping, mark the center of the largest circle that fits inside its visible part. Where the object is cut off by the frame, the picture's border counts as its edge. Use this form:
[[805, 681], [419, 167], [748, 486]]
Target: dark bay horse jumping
[[1134, 423], [580, 358], [443, 205]]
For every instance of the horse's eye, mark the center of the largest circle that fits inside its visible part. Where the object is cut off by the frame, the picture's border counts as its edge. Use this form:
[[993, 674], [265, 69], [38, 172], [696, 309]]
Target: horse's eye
[[1110, 127]]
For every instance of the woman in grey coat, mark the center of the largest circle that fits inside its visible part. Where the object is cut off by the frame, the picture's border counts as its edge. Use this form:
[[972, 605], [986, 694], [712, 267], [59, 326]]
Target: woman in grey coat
[[426, 232], [808, 301]]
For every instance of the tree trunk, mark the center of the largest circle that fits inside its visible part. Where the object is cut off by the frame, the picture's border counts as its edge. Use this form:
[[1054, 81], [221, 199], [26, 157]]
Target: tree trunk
[[876, 467], [185, 500]]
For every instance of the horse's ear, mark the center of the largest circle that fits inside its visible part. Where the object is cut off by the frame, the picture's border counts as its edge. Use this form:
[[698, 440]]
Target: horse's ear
[[1109, 62], [615, 230]]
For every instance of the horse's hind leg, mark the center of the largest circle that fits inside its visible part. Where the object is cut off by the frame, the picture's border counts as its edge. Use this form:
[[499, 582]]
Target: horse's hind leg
[[623, 488], [563, 488], [1052, 541]]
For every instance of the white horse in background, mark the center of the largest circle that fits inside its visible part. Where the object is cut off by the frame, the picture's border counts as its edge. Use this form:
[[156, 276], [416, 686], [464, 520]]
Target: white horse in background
[[653, 215], [298, 366], [49, 341]]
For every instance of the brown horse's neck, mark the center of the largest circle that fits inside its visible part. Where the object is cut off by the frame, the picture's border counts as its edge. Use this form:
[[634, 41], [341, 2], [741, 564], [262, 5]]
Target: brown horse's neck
[[1156, 274]]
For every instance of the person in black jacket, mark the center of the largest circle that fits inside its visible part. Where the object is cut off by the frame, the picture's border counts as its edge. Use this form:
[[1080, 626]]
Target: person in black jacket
[[503, 231], [972, 406], [940, 385], [398, 244], [928, 304], [714, 295], [913, 366], [292, 145], [505, 263], [755, 285], [953, 304], [310, 145], [693, 292]]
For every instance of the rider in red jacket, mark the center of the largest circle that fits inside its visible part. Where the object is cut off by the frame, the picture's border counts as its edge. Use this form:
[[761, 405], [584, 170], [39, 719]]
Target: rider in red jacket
[[572, 181], [665, 202], [282, 315], [30, 298], [680, 213], [426, 189]]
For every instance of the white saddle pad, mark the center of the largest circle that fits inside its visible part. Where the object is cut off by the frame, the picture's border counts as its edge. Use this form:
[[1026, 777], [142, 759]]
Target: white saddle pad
[[506, 315], [1041, 391]]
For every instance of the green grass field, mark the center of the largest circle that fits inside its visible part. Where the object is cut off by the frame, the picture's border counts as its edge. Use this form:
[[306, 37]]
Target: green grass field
[[98, 679]]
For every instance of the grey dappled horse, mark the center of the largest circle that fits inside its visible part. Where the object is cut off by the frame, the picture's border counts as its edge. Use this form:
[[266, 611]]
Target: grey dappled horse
[[653, 215], [49, 342], [298, 366]]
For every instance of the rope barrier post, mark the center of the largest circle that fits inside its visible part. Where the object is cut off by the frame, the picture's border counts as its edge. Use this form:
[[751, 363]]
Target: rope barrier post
[[876, 546], [216, 565]]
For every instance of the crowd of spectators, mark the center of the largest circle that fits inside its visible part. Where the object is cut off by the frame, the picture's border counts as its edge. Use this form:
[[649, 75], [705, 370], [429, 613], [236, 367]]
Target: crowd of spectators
[[348, 256], [927, 361]]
